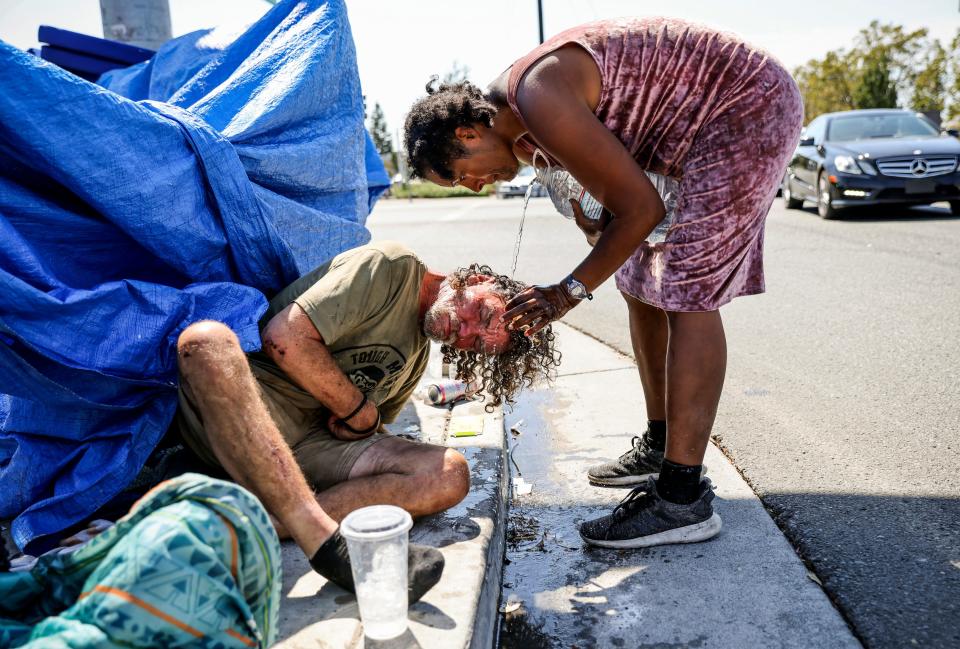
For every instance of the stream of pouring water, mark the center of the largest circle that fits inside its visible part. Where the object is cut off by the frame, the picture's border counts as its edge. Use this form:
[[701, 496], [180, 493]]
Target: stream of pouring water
[[523, 217], [543, 172]]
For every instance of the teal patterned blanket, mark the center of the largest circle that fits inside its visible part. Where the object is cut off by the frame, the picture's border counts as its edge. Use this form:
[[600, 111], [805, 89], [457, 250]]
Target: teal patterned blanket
[[194, 563]]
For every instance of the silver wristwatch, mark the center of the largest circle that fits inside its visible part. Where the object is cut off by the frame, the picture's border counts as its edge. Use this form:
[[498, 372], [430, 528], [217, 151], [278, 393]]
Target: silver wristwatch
[[576, 289]]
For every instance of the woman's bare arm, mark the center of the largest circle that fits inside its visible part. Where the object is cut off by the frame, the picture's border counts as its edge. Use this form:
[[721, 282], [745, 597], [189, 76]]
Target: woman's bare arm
[[554, 98]]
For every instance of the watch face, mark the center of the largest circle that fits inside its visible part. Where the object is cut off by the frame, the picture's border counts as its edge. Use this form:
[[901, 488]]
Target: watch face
[[576, 289]]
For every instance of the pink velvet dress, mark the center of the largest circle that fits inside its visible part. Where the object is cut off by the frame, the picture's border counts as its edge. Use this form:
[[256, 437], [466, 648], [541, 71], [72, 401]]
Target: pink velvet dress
[[708, 109]]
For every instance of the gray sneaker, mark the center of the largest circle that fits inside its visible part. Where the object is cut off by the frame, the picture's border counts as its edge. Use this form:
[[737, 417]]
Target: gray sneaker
[[643, 519], [632, 468]]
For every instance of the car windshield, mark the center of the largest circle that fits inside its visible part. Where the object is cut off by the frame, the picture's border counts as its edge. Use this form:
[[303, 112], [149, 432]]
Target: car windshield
[[863, 127]]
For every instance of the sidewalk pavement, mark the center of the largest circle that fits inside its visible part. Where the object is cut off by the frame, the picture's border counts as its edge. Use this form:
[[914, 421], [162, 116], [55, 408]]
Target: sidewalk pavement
[[461, 610], [744, 588]]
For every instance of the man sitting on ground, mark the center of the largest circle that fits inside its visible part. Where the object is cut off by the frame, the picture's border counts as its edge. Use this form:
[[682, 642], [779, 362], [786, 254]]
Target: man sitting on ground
[[343, 349]]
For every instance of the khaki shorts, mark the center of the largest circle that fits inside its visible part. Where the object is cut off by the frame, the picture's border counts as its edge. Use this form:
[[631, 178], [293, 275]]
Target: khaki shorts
[[324, 459]]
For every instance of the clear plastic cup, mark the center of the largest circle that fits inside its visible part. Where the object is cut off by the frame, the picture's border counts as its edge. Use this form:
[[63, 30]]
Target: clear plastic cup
[[377, 540]]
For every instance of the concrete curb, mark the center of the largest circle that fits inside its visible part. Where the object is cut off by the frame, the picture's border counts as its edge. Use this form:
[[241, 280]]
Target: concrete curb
[[493, 482], [460, 611]]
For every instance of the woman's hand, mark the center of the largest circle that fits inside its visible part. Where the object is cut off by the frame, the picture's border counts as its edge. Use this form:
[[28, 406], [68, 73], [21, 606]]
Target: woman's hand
[[536, 307], [367, 420], [591, 228]]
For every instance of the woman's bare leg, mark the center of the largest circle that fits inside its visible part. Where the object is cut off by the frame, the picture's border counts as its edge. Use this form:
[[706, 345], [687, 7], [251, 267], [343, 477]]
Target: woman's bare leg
[[696, 366], [648, 336]]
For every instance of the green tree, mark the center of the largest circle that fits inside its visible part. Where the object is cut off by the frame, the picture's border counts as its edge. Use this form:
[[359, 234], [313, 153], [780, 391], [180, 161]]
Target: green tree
[[875, 87], [953, 80], [880, 70], [380, 134], [888, 55], [929, 87], [825, 84]]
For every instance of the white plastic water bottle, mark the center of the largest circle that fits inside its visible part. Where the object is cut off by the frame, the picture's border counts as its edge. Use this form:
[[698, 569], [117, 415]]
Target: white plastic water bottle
[[562, 186]]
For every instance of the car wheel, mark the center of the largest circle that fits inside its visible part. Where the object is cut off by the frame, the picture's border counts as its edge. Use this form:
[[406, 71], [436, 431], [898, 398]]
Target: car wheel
[[824, 200], [955, 208], [789, 200]]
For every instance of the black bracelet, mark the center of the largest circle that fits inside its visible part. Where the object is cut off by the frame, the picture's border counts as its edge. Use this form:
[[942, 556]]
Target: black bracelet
[[353, 414], [365, 431]]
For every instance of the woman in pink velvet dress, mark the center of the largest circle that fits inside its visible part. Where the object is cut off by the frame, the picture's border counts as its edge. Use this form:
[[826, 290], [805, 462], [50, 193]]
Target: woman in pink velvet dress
[[608, 101]]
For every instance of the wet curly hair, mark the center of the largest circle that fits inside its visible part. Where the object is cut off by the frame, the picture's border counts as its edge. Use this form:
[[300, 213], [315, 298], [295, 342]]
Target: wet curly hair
[[526, 361], [428, 132]]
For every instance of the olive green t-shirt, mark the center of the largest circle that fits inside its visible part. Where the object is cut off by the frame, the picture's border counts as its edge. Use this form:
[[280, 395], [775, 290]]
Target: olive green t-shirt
[[365, 303]]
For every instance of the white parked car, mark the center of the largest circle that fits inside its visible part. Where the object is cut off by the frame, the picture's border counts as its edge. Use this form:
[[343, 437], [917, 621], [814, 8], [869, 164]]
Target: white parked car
[[518, 186]]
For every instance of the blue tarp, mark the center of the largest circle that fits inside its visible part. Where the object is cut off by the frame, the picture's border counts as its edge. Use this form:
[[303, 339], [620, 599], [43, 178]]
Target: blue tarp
[[202, 180]]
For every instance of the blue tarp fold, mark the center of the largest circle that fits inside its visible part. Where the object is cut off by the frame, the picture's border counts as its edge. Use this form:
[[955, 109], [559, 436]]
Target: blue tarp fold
[[184, 188]]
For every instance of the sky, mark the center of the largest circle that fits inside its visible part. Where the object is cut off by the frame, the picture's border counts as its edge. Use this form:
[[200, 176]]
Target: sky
[[401, 44]]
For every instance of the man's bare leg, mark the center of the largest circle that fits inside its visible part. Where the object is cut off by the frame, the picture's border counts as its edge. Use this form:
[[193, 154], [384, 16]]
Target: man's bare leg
[[243, 436], [421, 478], [250, 447]]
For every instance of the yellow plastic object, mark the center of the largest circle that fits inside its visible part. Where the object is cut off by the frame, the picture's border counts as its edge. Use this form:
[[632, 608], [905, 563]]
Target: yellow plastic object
[[466, 426]]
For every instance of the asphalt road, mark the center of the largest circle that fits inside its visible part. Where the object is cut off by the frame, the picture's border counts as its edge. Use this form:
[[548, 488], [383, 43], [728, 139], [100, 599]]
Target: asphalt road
[[842, 400]]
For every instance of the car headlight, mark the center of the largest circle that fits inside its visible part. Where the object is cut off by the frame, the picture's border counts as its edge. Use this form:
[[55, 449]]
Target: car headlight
[[846, 164]]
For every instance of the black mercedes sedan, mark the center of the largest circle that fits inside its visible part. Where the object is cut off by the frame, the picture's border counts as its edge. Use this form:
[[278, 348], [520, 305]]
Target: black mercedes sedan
[[873, 157]]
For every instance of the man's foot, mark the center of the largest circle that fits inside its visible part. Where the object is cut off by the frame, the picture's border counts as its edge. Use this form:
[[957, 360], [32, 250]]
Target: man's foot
[[424, 566], [644, 518], [632, 468]]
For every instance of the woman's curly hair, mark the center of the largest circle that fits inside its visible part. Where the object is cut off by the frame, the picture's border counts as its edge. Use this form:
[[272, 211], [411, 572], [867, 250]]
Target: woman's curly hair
[[429, 130], [527, 360]]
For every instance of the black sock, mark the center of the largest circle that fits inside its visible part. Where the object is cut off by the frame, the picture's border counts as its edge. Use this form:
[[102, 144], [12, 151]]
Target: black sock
[[424, 566], [656, 434], [679, 483], [332, 560]]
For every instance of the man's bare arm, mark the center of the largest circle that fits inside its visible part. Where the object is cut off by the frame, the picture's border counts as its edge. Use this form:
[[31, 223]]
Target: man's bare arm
[[295, 345]]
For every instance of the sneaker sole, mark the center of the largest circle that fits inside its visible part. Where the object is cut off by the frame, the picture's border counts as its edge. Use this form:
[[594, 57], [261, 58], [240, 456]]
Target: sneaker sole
[[687, 534], [630, 480], [622, 481]]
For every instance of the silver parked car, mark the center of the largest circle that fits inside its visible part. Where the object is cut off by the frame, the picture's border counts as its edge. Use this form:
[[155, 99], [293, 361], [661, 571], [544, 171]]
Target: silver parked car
[[518, 186]]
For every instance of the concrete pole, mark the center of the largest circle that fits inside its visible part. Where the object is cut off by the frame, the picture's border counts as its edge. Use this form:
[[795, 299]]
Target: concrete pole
[[145, 23]]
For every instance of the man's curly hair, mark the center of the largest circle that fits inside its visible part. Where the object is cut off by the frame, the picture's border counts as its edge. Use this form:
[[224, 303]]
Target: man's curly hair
[[527, 360], [429, 130]]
